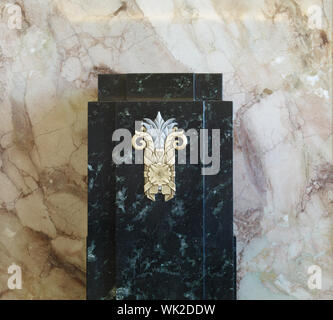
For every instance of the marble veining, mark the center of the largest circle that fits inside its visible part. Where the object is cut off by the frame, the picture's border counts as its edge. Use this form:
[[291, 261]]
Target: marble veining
[[277, 70], [182, 248]]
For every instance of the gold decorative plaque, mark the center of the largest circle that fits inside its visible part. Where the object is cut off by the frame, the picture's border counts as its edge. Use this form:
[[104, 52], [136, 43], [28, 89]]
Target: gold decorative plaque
[[159, 139]]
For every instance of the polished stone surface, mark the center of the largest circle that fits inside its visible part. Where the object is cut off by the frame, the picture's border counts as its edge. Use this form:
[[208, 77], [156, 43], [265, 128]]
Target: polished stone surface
[[154, 86], [276, 60], [180, 249]]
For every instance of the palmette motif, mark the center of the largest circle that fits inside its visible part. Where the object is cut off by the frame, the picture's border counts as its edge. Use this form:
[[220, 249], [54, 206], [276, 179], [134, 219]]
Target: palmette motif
[[159, 139]]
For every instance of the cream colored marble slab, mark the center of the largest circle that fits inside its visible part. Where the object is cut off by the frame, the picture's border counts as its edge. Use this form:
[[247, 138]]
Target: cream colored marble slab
[[276, 61]]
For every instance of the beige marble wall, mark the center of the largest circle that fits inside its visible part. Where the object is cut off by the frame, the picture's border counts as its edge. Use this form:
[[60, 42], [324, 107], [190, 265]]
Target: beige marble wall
[[277, 65]]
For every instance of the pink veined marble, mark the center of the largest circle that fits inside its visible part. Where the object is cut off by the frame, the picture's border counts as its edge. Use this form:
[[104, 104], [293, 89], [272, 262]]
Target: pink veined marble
[[276, 58]]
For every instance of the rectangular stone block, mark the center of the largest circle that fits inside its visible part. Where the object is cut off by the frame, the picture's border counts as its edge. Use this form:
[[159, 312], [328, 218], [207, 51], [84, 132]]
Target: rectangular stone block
[[143, 249]]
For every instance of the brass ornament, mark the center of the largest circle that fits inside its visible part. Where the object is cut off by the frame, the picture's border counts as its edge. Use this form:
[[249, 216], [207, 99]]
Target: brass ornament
[[159, 139]]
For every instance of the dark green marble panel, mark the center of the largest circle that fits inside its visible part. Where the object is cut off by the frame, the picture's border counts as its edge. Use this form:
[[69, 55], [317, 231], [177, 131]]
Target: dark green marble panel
[[155, 86], [218, 208], [180, 249], [101, 250], [208, 86], [112, 87]]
